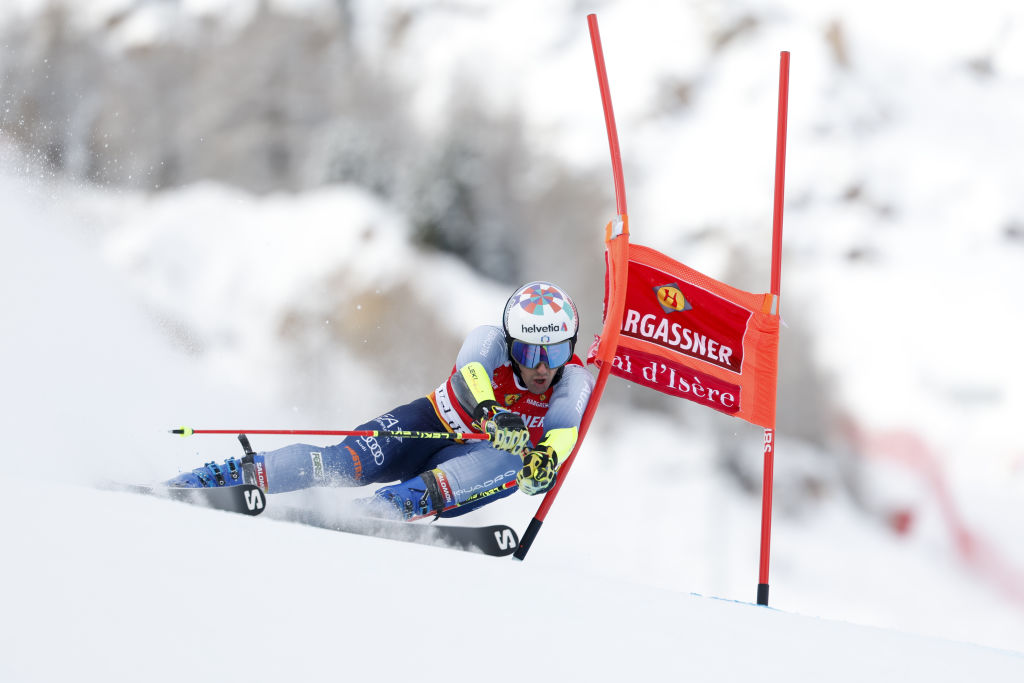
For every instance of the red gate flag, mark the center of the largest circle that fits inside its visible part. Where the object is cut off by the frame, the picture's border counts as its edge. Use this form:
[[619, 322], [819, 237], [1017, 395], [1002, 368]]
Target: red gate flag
[[676, 330], [688, 335]]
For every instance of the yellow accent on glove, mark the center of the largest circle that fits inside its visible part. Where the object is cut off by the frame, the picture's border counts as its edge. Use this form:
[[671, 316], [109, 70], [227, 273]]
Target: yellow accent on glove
[[540, 469], [560, 441]]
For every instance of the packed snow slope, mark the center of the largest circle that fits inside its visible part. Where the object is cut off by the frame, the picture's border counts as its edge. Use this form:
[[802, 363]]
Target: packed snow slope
[[113, 587], [126, 314], [125, 587]]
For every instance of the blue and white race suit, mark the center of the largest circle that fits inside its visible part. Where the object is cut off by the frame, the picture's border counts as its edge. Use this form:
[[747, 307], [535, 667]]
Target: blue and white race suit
[[475, 472]]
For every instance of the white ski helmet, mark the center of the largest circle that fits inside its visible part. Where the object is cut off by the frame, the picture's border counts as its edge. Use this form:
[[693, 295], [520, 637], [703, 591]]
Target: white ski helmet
[[541, 315]]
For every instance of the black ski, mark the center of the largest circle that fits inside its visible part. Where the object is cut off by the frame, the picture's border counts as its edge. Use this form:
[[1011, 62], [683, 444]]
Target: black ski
[[496, 540], [245, 499]]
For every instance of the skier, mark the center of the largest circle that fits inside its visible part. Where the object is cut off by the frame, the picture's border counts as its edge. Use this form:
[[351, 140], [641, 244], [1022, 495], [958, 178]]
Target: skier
[[520, 383]]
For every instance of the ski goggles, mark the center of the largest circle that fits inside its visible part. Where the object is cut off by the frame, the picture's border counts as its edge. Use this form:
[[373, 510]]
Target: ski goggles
[[532, 355]]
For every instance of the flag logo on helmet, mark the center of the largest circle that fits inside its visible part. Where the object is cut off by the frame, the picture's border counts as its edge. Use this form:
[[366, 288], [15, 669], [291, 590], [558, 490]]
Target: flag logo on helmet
[[541, 299]]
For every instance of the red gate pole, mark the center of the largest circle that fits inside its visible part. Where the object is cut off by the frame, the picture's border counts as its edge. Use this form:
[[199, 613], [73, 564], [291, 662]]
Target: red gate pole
[[617, 243], [769, 433]]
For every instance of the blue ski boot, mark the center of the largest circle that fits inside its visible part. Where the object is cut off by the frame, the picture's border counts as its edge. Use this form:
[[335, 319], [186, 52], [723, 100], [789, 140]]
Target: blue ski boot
[[232, 473], [408, 500]]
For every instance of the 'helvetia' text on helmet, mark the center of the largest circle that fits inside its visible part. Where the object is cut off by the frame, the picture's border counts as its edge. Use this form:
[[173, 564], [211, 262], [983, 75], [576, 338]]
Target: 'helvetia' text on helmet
[[540, 313]]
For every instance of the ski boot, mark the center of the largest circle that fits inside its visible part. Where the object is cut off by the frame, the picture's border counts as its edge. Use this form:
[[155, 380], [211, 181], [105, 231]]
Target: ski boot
[[412, 499], [232, 473]]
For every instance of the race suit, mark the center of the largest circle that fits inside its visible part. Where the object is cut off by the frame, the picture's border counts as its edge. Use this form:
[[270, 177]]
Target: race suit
[[474, 472]]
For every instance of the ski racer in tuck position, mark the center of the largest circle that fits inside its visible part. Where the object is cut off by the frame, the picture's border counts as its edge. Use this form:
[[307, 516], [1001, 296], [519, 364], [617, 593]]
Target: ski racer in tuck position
[[520, 383]]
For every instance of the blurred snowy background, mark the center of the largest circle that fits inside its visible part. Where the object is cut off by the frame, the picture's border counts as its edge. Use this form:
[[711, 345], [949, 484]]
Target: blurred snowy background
[[258, 214]]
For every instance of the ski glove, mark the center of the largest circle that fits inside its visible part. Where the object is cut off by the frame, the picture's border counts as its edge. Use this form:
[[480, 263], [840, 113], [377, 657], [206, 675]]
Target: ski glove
[[540, 468], [505, 428]]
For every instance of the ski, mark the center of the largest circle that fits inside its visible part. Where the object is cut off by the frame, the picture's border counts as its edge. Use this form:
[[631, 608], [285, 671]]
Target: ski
[[245, 499], [496, 540]]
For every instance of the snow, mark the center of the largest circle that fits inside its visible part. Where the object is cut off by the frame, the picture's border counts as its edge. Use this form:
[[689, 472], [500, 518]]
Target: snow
[[126, 315], [126, 587]]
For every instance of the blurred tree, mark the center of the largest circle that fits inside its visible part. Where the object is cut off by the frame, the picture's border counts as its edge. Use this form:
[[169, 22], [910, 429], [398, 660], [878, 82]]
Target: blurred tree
[[285, 101]]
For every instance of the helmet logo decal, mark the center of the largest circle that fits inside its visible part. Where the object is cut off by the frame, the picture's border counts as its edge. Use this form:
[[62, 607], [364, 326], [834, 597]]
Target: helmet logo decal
[[540, 300], [552, 327]]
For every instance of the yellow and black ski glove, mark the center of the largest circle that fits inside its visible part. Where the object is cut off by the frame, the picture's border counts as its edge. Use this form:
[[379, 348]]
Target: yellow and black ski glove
[[540, 469], [505, 428]]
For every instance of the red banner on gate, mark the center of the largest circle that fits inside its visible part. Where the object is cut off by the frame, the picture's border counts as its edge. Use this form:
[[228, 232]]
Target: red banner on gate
[[688, 335]]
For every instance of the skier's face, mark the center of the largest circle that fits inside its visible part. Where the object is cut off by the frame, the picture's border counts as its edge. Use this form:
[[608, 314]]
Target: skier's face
[[538, 379]]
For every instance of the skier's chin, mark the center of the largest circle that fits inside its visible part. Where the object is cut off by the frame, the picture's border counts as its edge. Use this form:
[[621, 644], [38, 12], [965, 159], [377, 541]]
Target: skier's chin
[[539, 386]]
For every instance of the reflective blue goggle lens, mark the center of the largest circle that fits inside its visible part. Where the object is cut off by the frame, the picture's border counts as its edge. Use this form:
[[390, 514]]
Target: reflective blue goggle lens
[[532, 355]]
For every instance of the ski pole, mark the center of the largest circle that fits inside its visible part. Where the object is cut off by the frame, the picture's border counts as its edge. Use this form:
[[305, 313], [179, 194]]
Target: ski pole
[[188, 431]]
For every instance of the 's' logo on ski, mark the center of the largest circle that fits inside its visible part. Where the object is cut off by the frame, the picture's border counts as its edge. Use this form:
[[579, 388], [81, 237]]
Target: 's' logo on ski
[[254, 499], [505, 539]]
